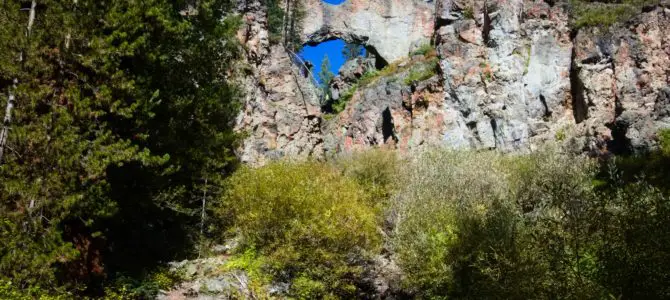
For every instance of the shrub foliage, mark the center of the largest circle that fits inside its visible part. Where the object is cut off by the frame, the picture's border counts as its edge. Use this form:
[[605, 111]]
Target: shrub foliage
[[309, 222], [540, 226]]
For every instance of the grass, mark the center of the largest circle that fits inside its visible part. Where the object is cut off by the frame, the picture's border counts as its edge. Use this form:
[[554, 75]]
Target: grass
[[419, 70], [468, 13], [426, 50], [339, 105], [590, 14]]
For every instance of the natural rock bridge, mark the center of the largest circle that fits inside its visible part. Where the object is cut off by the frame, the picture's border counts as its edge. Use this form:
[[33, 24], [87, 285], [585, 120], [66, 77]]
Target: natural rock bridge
[[390, 29]]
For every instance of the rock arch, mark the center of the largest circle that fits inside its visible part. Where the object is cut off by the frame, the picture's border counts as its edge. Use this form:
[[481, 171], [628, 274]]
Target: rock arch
[[391, 29]]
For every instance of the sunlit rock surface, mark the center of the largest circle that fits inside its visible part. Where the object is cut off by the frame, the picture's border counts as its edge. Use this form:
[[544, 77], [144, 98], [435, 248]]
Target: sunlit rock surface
[[511, 75]]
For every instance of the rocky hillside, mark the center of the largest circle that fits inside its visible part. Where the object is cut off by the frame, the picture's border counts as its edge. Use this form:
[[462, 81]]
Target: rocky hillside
[[507, 75]]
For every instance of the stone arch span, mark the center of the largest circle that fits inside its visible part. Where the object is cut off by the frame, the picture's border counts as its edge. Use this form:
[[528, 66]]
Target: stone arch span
[[390, 29]]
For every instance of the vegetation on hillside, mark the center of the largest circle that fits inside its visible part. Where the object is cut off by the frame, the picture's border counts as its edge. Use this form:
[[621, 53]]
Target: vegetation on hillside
[[605, 13], [121, 121], [310, 223], [285, 22], [465, 225], [116, 157], [423, 66], [326, 76]]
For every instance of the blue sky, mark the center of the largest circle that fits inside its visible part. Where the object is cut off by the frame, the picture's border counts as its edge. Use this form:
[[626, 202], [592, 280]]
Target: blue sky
[[333, 49], [334, 1], [315, 54]]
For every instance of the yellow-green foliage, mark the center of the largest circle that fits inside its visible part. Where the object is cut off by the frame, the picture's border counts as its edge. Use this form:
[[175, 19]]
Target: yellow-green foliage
[[9, 290], [426, 50], [664, 137], [253, 264], [422, 71], [339, 105], [129, 288], [375, 170], [586, 13], [469, 13], [561, 134], [462, 214], [307, 220]]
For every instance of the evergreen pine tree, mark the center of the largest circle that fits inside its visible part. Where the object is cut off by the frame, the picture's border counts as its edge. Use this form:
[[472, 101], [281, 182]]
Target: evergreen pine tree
[[325, 76], [123, 110], [351, 51]]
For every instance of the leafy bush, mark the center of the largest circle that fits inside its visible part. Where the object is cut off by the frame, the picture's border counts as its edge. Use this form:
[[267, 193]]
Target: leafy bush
[[634, 260], [468, 12], [376, 171], [426, 50], [664, 141], [254, 265], [8, 290], [586, 13], [310, 223], [427, 206], [473, 225], [422, 71], [338, 106], [542, 226], [419, 70]]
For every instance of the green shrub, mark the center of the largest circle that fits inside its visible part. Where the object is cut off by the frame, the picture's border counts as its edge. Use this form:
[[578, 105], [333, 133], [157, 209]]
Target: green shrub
[[341, 103], [372, 75], [146, 287], [542, 226], [634, 262], [376, 171], [474, 225], [428, 204], [421, 72], [426, 50], [307, 220], [253, 264], [586, 13], [664, 141], [468, 13]]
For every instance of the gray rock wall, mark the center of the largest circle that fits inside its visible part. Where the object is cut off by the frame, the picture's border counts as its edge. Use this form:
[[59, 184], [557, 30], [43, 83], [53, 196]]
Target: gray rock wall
[[512, 76], [281, 111], [393, 27]]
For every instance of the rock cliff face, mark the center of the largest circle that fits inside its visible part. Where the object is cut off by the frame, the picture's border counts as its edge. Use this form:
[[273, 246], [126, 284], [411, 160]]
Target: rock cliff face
[[622, 80], [392, 27], [508, 75], [281, 111]]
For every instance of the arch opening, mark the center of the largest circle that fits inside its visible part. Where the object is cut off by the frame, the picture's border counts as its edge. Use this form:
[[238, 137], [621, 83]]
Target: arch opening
[[334, 2], [336, 50]]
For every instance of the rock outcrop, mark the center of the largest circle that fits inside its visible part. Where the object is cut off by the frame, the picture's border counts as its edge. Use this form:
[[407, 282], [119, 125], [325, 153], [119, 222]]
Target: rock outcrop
[[622, 81], [506, 73], [509, 75], [392, 27], [281, 111]]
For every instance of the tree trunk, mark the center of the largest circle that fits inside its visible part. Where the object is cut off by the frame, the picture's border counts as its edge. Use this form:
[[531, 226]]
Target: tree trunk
[[11, 99], [6, 121], [287, 19], [202, 219], [31, 17], [202, 215]]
